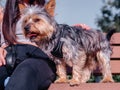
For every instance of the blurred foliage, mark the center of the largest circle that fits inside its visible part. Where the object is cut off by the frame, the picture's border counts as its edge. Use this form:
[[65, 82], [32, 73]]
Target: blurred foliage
[[116, 78], [96, 79], [110, 17]]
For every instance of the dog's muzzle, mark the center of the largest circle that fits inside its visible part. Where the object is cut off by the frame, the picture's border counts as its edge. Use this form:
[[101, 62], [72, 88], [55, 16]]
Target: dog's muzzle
[[27, 28], [30, 34]]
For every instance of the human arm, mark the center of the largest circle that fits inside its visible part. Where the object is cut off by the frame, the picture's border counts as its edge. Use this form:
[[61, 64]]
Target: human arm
[[84, 26]]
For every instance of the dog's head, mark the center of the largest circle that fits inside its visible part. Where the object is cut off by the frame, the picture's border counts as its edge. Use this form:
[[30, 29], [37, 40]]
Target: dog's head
[[36, 23]]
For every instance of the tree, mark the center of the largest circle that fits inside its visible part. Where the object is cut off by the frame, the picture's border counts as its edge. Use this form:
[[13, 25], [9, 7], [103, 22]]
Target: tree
[[110, 15]]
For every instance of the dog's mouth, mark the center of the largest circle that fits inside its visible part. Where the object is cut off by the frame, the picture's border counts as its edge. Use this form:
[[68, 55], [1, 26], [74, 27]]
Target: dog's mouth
[[32, 35]]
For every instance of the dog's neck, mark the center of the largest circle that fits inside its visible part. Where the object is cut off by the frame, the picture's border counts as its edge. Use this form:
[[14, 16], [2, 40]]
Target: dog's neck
[[53, 46]]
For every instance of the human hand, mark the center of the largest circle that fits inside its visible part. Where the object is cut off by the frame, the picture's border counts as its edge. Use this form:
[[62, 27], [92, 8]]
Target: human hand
[[84, 26], [3, 53]]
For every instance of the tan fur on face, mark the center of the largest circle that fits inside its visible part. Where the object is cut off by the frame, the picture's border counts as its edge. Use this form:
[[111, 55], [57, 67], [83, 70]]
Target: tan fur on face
[[38, 25]]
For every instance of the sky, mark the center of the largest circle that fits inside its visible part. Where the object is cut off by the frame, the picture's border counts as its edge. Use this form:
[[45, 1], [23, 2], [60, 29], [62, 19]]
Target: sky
[[78, 11], [2, 3]]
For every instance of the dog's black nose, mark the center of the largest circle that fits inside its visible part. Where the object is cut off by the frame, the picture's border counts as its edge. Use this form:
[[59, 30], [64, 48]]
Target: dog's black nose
[[27, 28]]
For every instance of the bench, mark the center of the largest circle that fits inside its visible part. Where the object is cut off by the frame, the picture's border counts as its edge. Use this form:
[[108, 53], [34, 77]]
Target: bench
[[115, 68]]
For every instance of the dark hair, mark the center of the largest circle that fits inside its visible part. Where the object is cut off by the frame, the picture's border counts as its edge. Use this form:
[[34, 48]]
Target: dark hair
[[11, 16]]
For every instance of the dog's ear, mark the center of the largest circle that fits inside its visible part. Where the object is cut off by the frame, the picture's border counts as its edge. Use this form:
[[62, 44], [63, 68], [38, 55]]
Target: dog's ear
[[50, 7], [22, 6]]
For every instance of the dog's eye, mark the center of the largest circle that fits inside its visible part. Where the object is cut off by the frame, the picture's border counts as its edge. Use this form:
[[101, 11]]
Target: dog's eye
[[36, 20], [25, 21]]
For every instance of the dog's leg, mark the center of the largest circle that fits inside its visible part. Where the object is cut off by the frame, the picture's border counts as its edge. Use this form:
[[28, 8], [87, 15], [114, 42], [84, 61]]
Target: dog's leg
[[106, 69], [78, 65], [85, 75], [61, 72], [88, 68]]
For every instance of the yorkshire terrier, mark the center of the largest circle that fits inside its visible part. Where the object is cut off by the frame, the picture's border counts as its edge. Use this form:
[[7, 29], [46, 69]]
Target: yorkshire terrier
[[83, 50]]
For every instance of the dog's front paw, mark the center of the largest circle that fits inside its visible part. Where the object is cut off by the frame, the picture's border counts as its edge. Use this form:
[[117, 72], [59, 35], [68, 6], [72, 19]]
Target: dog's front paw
[[74, 82], [61, 80], [107, 80]]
